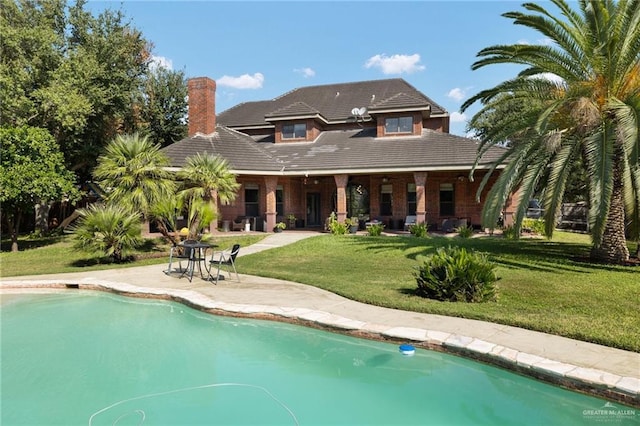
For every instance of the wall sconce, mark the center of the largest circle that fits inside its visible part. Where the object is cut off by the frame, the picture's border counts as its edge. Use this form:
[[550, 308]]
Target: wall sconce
[[385, 179], [316, 181], [461, 178]]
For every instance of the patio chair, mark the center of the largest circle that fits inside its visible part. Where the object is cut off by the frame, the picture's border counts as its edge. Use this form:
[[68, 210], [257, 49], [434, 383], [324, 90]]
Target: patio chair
[[410, 220], [179, 253], [224, 259], [238, 224]]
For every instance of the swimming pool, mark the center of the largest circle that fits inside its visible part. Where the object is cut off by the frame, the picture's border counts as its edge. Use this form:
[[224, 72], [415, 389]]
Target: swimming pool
[[99, 359]]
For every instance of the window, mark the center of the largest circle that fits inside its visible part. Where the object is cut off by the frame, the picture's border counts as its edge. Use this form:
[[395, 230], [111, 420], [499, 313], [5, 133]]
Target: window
[[279, 201], [294, 131], [412, 199], [447, 206], [398, 125], [251, 201], [386, 202]]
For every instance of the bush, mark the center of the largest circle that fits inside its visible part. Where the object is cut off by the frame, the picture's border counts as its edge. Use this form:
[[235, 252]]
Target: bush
[[335, 227], [375, 229], [510, 233], [465, 231], [456, 275], [534, 225], [418, 229], [109, 230]]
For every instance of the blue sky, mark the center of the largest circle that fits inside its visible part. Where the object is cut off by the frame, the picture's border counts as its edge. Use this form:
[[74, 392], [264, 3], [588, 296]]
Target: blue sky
[[260, 50]]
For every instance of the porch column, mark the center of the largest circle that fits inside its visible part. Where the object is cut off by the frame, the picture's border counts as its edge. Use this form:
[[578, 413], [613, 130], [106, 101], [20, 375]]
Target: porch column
[[271, 184], [341, 201], [213, 225], [421, 198]]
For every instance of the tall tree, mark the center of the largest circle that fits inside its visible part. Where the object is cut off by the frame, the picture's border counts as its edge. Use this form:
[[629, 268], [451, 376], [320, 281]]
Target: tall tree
[[592, 111], [163, 106], [69, 72], [32, 171]]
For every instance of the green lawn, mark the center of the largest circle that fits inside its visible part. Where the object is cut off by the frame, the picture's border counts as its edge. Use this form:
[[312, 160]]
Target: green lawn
[[544, 285], [56, 255]]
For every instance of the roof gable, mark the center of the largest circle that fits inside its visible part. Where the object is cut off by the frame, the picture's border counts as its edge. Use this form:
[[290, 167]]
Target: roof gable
[[334, 102]]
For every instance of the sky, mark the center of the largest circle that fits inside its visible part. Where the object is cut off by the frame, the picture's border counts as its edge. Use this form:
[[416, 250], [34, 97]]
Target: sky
[[261, 50]]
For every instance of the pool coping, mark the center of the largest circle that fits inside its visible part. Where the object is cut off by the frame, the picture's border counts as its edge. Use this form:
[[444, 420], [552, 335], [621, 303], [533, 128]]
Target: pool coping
[[623, 389]]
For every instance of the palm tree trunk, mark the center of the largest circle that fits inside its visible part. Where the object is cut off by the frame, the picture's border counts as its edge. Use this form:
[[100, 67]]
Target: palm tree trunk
[[613, 248]]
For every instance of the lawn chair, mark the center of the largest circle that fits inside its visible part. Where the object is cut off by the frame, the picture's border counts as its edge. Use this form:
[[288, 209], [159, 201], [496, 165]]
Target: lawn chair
[[226, 259], [179, 253], [410, 220]]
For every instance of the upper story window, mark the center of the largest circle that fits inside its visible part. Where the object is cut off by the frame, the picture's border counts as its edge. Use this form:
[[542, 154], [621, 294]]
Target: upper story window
[[398, 125], [294, 131]]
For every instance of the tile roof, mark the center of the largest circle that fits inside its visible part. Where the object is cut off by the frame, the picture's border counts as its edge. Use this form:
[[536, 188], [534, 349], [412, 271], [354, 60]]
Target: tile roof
[[349, 151], [295, 109], [333, 101]]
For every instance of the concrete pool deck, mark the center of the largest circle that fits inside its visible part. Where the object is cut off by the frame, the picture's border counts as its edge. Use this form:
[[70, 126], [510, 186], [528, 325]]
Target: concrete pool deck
[[608, 372]]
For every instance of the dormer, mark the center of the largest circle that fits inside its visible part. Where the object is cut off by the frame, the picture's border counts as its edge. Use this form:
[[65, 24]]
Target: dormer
[[297, 122], [400, 115]]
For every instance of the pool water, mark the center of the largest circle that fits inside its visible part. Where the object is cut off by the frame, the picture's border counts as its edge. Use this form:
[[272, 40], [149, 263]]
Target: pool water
[[98, 359]]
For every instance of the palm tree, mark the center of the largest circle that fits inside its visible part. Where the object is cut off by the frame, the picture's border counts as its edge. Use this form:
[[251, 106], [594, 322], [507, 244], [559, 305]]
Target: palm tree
[[207, 177], [112, 231], [582, 97], [133, 171]]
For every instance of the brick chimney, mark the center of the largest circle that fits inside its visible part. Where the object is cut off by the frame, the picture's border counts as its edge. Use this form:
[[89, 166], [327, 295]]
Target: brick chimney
[[202, 105]]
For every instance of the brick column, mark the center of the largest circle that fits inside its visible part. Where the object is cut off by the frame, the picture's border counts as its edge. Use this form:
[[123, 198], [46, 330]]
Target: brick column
[[341, 201], [271, 184], [421, 199]]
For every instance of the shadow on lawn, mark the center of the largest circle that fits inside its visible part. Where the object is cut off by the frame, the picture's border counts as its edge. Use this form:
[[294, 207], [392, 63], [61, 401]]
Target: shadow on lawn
[[533, 254], [27, 243]]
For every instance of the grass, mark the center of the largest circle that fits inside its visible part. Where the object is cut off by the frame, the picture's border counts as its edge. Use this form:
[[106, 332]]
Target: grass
[[544, 285], [53, 255]]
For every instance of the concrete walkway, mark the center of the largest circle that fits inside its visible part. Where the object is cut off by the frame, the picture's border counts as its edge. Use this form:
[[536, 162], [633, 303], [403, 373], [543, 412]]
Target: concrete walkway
[[609, 372]]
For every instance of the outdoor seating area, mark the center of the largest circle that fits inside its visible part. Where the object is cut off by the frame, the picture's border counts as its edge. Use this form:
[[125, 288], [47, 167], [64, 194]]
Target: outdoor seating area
[[196, 254]]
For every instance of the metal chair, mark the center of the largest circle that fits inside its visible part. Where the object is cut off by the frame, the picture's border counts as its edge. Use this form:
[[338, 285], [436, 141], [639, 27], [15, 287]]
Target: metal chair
[[226, 259], [180, 253]]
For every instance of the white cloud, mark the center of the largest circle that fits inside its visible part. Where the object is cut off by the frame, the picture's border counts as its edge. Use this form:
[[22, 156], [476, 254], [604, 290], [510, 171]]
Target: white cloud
[[245, 81], [546, 41], [160, 62], [457, 94], [395, 64], [549, 76], [306, 72], [457, 117]]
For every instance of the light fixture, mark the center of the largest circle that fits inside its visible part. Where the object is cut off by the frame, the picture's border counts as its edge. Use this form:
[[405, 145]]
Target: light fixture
[[385, 179], [316, 181], [461, 178]]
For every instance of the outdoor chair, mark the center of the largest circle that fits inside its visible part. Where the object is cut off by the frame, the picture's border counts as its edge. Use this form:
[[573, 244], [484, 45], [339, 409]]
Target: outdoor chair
[[238, 224], [410, 220], [224, 259], [179, 253]]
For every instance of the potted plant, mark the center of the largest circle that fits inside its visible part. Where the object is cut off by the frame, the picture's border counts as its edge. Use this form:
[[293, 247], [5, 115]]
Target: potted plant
[[291, 218], [280, 226], [352, 223]]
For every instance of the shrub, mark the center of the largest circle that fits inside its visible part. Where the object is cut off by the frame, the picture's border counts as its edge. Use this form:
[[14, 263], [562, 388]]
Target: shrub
[[109, 230], [375, 229], [465, 231], [510, 233], [335, 227], [418, 229], [455, 275], [534, 225]]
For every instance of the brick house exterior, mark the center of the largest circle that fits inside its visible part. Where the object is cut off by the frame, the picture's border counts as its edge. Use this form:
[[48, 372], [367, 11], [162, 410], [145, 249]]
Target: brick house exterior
[[376, 150]]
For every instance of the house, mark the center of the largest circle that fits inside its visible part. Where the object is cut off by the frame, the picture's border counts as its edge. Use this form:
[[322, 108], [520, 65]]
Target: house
[[376, 150]]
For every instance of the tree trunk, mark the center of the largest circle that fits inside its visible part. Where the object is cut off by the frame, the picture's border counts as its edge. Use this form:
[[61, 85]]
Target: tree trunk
[[13, 223], [613, 248]]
